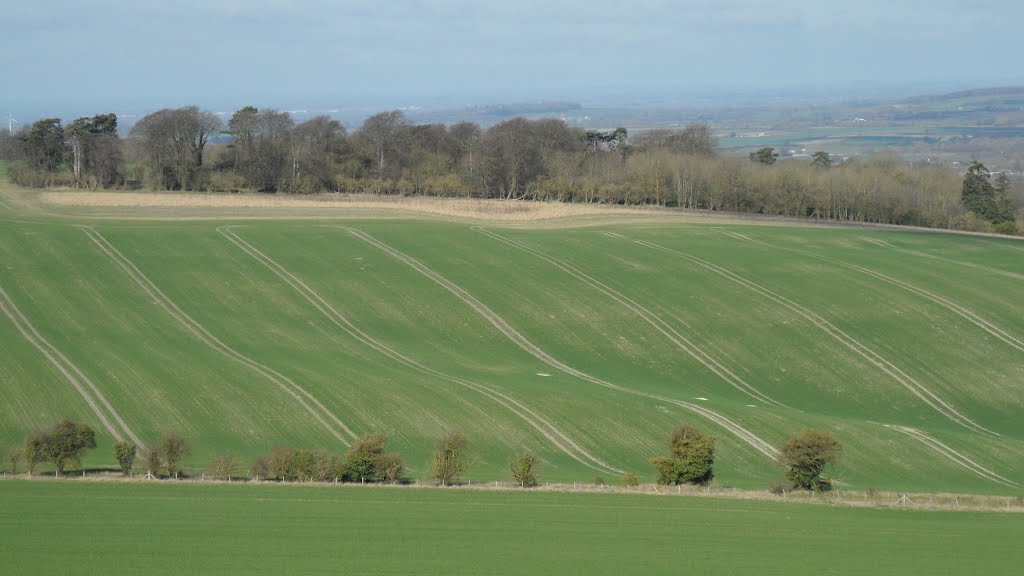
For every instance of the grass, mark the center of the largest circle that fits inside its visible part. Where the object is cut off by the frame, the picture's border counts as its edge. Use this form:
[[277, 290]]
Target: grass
[[614, 341], [168, 529]]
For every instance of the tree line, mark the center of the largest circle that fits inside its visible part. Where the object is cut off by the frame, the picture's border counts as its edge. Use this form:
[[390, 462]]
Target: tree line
[[267, 151], [690, 459]]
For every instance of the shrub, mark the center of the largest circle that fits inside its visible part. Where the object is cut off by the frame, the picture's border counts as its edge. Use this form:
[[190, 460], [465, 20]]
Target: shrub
[[124, 453], [173, 448], [225, 466], [690, 460], [599, 481], [366, 461], [805, 456], [280, 464], [392, 467], [630, 480], [15, 456], [526, 470], [63, 443], [152, 460], [1008, 228], [451, 458]]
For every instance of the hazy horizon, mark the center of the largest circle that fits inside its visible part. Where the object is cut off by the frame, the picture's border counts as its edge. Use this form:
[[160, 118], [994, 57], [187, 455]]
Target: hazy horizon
[[65, 58]]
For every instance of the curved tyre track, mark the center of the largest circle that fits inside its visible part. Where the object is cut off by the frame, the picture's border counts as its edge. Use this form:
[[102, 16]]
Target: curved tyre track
[[509, 332], [954, 456], [666, 330], [1003, 245], [546, 429], [313, 406], [944, 302], [916, 388], [82, 384], [885, 244]]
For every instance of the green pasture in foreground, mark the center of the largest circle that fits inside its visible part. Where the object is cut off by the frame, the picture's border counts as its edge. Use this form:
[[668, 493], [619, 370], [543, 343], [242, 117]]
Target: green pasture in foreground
[[86, 528], [584, 345]]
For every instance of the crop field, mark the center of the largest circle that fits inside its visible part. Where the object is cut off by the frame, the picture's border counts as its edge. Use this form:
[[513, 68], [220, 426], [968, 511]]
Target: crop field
[[175, 529], [584, 338]]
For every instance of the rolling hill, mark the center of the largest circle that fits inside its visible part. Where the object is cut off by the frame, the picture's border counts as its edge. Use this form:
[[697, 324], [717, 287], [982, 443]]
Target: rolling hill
[[583, 339]]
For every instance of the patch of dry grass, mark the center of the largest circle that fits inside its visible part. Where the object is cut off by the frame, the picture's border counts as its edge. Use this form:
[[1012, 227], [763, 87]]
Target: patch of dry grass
[[474, 209]]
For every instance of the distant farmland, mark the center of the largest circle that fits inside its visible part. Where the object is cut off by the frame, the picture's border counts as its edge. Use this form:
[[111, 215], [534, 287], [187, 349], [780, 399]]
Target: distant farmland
[[583, 344]]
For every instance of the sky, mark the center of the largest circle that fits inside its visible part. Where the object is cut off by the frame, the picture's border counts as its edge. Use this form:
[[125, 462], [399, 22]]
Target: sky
[[87, 56]]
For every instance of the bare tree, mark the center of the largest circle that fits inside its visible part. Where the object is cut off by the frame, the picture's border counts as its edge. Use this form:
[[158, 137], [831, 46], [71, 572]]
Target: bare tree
[[317, 145], [173, 141], [512, 156], [382, 133], [451, 458]]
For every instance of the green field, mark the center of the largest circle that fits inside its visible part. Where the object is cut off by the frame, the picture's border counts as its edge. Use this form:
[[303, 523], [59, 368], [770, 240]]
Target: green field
[[86, 528], [584, 344]]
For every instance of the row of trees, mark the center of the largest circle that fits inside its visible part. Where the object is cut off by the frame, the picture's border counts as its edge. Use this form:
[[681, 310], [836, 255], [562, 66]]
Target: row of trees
[[266, 150], [690, 459]]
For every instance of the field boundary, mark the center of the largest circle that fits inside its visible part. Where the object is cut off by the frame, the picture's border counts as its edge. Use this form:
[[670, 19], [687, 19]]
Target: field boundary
[[203, 335], [509, 332], [548, 430], [872, 499]]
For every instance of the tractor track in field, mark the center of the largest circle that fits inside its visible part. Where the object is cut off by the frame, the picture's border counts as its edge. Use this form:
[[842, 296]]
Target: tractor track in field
[[512, 334], [941, 301], [666, 330], [953, 456], [545, 428], [303, 397], [1003, 245], [885, 244], [82, 384], [901, 377]]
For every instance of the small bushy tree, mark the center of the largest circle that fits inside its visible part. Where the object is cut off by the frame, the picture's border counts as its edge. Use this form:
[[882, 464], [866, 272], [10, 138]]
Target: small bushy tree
[[526, 470], [805, 457], [279, 464], [451, 458], [173, 448], [124, 453], [15, 456], [766, 155], [225, 466], [62, 444], [152, 460], [690, 460], [630, 480], [366, 461]]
